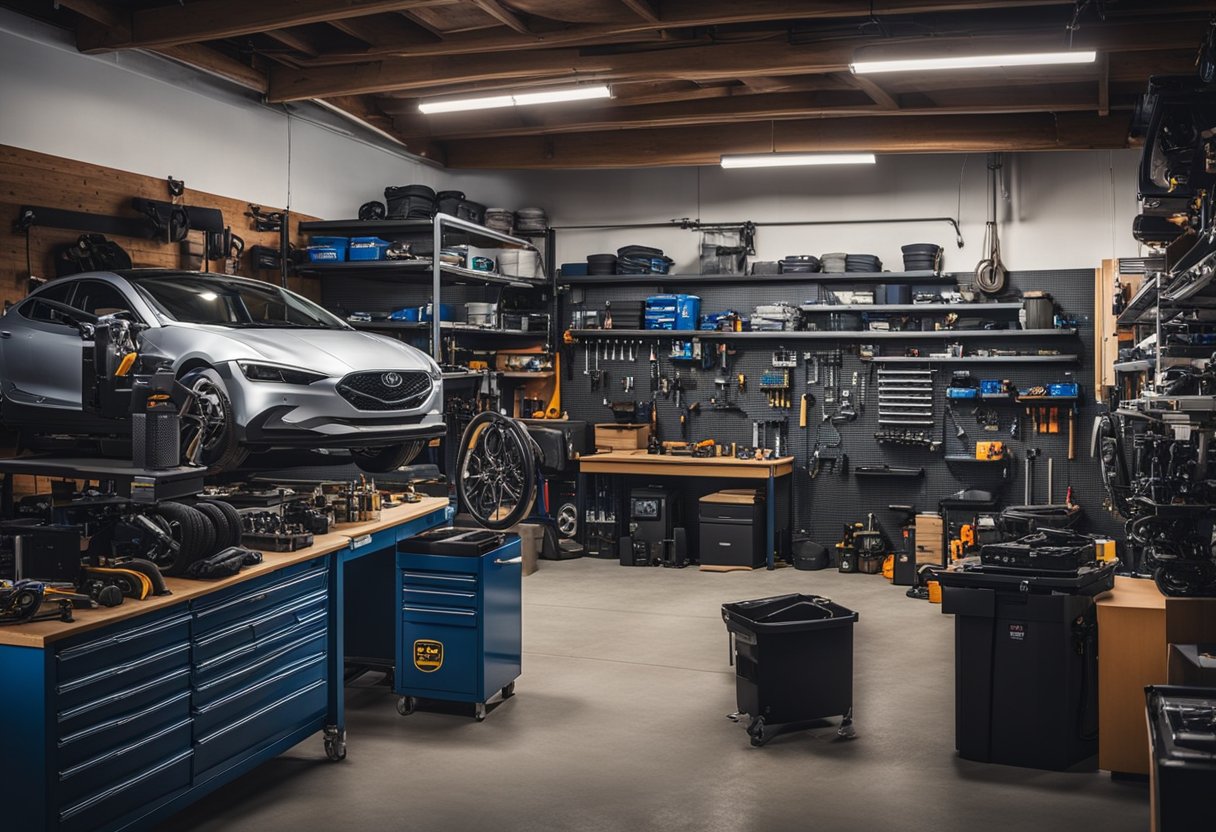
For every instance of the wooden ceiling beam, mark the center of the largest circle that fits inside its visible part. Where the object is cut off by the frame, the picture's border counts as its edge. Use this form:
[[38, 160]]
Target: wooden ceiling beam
[[217, 19], [679, 14], [750, 108], [696, 63], [878, 95], [881, 134], [503, 15], [1103, 85], [294, 41], [643, 9]]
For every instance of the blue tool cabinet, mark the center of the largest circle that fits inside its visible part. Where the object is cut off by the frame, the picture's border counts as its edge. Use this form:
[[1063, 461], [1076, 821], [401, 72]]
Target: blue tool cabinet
[[460, 626], [121, 725]]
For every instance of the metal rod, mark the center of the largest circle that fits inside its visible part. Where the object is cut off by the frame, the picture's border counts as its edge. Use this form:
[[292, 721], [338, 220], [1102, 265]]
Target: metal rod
[[1026, 494], [696, 225], [1050, 475]]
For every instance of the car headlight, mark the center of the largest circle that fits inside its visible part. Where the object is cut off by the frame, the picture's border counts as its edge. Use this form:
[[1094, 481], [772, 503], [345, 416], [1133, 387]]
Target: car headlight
[[435, 372], [256, 371]]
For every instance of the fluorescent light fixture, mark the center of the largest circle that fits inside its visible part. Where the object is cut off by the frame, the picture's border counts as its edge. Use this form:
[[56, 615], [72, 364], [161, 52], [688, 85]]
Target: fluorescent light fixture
[[453, 105], [972, 62], [780, 160]]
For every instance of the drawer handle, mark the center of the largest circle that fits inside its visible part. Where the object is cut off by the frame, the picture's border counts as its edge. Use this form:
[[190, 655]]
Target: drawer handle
[[448, 592], [440, 576], [408, 608], [508, 561], [360, 542]]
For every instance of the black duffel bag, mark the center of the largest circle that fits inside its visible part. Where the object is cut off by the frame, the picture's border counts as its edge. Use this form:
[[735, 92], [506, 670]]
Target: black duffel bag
[[410, 202], [454, 204]]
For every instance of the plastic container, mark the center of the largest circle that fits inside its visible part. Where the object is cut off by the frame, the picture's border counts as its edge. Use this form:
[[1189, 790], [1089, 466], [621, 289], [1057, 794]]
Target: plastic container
[[325, 254], [367, 248], [338, 244], [793, 659], [446, 313]]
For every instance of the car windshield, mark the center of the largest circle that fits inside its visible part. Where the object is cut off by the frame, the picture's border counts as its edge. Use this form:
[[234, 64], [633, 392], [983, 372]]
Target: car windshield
[[237, 303]]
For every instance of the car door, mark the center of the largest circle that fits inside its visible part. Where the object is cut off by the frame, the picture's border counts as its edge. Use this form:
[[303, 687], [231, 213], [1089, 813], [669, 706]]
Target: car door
[[40, 352]]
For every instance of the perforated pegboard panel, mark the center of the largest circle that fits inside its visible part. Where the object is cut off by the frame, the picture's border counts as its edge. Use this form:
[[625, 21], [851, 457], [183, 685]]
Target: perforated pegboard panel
[[823, 504]]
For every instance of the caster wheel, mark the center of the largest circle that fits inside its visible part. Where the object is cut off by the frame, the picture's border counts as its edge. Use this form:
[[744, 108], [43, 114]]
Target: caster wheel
[[508, 691], [406, 705], [846, 731], [335, 745], [755, 730], [479, 711]]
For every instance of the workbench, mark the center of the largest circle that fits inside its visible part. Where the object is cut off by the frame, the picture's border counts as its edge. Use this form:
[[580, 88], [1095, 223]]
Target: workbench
[[130, 713], [642, 464]]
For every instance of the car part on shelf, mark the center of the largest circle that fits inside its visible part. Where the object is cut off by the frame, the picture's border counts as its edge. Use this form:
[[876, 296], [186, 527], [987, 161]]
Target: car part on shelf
[[497, 471]]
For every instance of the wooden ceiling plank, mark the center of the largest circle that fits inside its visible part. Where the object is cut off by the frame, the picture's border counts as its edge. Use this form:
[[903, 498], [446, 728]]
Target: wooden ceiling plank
[[503, 15], [292, 40], [216, 19], [643, 9], [882, 134], [216, 63], [878, 95]]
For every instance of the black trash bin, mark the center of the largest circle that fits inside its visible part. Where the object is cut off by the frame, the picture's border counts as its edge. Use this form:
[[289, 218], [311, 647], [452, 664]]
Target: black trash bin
[[793, 657], [1026, 664]]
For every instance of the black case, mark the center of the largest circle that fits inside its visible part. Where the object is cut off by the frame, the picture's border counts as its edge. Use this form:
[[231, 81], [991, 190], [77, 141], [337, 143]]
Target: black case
[[732, 535]]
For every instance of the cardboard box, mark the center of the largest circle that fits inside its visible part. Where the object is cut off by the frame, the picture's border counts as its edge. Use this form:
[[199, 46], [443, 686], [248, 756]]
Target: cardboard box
[[617, 437], [929, 544], [531, 539]]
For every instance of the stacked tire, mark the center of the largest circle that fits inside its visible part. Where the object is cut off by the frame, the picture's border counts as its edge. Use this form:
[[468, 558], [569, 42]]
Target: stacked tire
[[199, 530]]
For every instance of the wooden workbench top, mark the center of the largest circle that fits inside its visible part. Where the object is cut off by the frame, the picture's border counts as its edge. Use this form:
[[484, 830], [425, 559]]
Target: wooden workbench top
[[1139, 593], [40, 633], [640, 462]]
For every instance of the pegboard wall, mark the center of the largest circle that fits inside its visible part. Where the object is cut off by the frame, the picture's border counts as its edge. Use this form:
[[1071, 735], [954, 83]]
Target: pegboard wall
[[823, 504]]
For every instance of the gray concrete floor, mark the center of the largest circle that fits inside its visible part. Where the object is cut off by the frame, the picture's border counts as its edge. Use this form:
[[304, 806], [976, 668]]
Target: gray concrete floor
[[618, 724]]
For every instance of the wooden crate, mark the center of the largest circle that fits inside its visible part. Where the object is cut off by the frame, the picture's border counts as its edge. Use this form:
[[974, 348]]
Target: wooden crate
[[616, 437]]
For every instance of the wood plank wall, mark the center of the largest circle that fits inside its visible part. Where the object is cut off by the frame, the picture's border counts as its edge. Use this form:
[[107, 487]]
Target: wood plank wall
[[29, 178]]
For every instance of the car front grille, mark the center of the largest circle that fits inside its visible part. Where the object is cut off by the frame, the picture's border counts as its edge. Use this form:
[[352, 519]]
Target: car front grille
[[369, 391]]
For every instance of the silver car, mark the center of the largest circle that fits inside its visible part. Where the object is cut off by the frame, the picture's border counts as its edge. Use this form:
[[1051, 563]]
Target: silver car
[[269, 368]]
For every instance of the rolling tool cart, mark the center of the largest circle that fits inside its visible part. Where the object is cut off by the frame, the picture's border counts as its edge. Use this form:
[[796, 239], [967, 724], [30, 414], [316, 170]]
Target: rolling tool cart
[[459, 590], [793, 657], [459, 632], [1026, 664]]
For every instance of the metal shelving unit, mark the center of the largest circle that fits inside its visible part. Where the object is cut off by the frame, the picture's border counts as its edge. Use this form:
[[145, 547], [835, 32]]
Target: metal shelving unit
[[450, 327], [417, 271], [918, 308], [977, 359], [820, 335], [830, 278]]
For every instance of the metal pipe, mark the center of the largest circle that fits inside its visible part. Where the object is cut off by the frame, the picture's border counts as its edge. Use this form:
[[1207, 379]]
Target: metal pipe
[[1050, 475], [1026, 494], [695, 225]]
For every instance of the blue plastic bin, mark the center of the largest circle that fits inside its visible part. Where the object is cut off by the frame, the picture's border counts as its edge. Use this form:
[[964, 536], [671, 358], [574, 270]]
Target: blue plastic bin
[[339, 245], [367, 248]]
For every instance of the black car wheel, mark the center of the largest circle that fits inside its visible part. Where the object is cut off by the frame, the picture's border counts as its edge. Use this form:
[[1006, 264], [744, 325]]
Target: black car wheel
[[209, 424], [388, 459]]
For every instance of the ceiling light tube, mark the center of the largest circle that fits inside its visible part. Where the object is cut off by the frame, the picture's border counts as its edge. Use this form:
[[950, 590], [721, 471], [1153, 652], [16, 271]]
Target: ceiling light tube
[[780, 160], [453, 105], [971, 62]]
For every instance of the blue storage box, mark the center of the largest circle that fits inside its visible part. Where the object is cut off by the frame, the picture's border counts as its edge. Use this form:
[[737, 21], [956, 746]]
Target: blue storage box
[[408, 314], [338, 244], [1070, 390], [688, 311], [991, 386], [367, 248], [962, 392], [446, 313], [574, 269]]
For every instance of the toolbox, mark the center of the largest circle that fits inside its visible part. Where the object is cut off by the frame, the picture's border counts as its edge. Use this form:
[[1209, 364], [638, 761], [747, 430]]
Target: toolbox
[[620, 437], [459, 636], [732, 529]]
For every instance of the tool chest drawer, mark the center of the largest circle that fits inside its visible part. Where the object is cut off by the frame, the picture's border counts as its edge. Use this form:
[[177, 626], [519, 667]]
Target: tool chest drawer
[[95, 655], [257, 692], [434, 594], [144, 788], [249, 600], [225, 674], [121, 762], [243, 635], [78, 719], [241, 737], [123, 658], [79, 746]]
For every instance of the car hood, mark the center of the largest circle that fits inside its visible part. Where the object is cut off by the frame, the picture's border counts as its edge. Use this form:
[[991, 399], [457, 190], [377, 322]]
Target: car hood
[[335, 352]]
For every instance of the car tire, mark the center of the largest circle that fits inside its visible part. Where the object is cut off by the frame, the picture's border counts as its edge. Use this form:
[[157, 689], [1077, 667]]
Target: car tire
[[387, 459], [226, 534], [192, 532], [221, 451]]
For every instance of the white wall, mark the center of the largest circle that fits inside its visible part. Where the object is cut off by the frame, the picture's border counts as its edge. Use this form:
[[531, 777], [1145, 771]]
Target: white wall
[[1057, 210], [147, 115]]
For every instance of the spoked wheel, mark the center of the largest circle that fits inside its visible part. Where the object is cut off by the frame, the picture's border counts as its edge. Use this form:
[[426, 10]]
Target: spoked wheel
[[208, 423], [567, 520], [497, 471], [1182, 578]]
